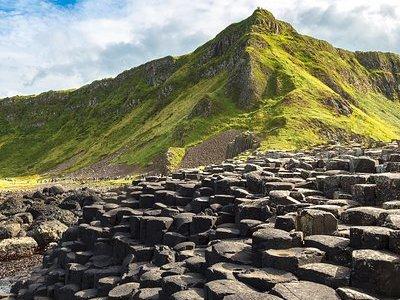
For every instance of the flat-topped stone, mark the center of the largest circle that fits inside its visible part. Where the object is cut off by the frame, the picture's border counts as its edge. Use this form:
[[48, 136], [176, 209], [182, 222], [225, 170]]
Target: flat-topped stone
[[303, 290], [376, 271]]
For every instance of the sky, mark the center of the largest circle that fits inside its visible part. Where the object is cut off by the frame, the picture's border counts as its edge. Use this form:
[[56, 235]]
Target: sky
[[63, 44]]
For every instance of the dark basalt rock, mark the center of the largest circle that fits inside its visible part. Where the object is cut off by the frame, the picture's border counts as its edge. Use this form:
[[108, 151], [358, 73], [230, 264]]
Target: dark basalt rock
[[304, 290], [321, 224]]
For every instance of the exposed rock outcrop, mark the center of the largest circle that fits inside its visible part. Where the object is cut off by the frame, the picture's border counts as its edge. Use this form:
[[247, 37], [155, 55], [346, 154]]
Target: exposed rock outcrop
[[280, 225], [243, 142], [385, 68]]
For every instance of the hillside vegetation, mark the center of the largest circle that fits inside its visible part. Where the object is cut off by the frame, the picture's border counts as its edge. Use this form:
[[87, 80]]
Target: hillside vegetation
[[260, 75]]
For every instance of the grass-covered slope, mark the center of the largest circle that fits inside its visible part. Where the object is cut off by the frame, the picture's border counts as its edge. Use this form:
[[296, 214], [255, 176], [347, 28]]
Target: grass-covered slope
[[258, 75]]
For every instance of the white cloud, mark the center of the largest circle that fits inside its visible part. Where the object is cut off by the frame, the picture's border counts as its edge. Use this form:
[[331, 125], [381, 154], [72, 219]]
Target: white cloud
[[44, 46]]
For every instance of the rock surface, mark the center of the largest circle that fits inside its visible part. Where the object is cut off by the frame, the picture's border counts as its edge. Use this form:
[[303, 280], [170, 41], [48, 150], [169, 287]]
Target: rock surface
[[280, 225]]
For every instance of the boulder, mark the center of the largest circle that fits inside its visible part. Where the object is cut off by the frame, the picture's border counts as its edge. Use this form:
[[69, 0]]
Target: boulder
[[324, 273], [291, 259], [276, 185], [47, 232], [218, 289], [338, 164], [152, 229], [348, 181], [370, 237], [224, 270], [75, 273], [86, 294], [271, 238], [363, 164], [15, 248], [313, 221], [263, 280], [229, 252], [362, 216], [278, 197], [254, 182], [251, 296], [151, 278], [365, 194], [172, 239], [201, 224], [376, 271], [255, 209], [12, 206], [394, 241], [124, 291], [349, 293], [387, 186], [190, 294], [176, 283], [56, 190], [147, 294], [336, 248], [49, 212], [303, 290], [391, 204], [9, 230], [286, 222]]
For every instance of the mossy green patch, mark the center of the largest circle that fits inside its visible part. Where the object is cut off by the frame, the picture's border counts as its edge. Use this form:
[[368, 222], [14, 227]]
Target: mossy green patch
[[175, 156]]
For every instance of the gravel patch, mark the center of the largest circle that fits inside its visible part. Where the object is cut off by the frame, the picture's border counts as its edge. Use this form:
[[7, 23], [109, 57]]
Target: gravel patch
[[15, 270], [211, 151]]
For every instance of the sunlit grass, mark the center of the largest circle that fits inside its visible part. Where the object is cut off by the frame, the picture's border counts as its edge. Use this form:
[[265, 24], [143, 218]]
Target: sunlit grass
[[31, 183]]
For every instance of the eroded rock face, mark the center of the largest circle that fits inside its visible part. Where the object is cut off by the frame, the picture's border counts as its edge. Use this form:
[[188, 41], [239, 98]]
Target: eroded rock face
[[388, 81], [243, 142], [321, 224]]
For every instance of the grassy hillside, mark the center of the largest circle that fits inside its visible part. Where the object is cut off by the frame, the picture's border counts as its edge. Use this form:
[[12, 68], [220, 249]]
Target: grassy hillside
[[258, 75]]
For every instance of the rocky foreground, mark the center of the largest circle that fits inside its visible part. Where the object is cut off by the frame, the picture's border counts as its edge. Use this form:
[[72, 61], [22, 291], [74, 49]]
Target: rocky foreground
[[323, 224]]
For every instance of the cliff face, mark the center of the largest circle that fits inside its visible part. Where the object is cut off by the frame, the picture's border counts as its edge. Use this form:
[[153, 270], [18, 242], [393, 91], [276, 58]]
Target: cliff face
[[258, 75], [385, 72]]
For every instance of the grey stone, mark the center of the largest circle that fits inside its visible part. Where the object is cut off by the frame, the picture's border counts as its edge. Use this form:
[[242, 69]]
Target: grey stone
[[176, 283], [362, 216], [124, 291], [327, 274], [336, 248], [218, 289], [376, 271], [302, 290], [230, 252], [370, 237], [313, 221], [291, 259]]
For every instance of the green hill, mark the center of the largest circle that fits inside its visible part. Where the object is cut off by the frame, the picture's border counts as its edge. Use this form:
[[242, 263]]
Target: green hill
[[260, 75]]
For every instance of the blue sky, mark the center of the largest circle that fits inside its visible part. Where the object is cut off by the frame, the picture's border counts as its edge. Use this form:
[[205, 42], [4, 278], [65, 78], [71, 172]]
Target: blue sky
[[64, 2], [61, 44], [10, 4]]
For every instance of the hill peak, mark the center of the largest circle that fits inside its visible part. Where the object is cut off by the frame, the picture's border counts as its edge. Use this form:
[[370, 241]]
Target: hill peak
[[261, 13], [264, 21]]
